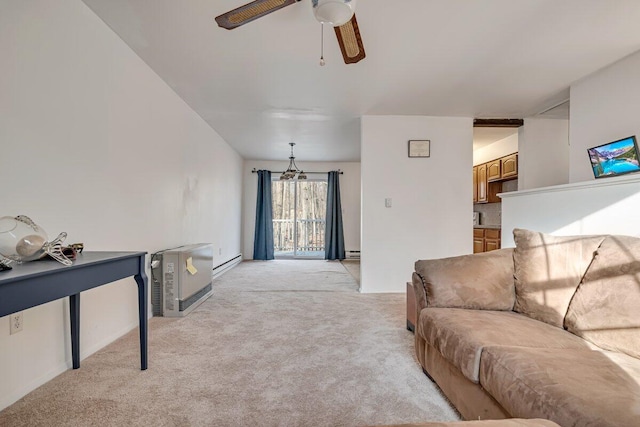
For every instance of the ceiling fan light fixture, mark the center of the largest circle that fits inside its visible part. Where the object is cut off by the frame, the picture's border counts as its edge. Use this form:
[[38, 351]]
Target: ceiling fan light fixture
[[337, 13], [334, 12]]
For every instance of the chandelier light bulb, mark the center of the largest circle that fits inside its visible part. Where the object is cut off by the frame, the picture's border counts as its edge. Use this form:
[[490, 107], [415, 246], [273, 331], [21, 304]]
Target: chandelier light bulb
[[322, 62]]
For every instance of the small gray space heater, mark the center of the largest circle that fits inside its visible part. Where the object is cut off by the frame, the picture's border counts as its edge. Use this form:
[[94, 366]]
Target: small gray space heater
[[181, 279]]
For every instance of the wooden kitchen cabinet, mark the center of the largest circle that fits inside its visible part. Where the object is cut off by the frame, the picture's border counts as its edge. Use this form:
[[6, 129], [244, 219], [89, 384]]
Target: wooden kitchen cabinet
[[494, 170], [482, 183], [486, 240], [509, 166], [488, 178], [487, 191], [478, 240], [475, 184], [491, 239], [491, 245]]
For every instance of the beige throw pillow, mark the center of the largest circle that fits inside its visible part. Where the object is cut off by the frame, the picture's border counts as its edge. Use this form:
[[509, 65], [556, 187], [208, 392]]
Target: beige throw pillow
[[547, 270], [480, 281], [606, 307]]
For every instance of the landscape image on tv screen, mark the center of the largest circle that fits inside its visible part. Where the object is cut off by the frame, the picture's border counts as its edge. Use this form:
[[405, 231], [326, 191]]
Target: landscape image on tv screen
[[615, 158]]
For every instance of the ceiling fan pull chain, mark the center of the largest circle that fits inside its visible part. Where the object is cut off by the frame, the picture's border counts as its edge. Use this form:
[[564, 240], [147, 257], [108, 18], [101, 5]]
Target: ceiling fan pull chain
[[322, 45]]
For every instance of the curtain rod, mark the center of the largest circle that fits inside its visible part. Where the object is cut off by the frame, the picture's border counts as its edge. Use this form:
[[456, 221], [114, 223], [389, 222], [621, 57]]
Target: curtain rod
[[339, 171]]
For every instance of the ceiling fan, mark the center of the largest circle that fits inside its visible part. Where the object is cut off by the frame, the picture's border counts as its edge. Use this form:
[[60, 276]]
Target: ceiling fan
[[337, 13]]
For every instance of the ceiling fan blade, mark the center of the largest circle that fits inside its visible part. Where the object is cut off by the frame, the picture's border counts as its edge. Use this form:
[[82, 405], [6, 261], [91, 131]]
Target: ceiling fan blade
[[350, 41], [250, 11]]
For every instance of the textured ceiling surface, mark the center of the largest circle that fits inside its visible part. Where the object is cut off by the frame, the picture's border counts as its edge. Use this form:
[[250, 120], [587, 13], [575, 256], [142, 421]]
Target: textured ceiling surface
[[260, 86]]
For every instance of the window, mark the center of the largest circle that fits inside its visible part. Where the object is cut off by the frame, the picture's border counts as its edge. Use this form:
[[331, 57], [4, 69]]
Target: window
[[299, 210]]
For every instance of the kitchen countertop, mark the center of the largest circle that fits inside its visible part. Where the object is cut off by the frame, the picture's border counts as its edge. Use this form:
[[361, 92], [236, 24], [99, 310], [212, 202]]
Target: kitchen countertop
[[495, 227]]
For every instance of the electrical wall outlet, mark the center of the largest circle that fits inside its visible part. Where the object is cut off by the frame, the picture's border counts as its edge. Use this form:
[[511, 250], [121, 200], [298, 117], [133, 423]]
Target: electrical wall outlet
[[15, 323]]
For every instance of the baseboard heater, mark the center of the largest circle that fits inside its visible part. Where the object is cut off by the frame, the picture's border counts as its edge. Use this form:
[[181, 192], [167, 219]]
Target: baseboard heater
[[218, 270], [352, 254], [181, 279]]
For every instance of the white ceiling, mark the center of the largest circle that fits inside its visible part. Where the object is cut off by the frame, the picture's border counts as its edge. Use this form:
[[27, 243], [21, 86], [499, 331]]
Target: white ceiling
[[486, 136], [260, 85], [560, 111]]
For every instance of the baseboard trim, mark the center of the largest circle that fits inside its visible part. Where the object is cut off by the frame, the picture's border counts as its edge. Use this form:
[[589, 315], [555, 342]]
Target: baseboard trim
[[226, 266], [18, 394], [105, 342], [13, 397]]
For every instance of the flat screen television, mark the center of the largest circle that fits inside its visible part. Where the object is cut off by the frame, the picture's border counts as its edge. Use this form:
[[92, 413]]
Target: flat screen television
[[615, 158]]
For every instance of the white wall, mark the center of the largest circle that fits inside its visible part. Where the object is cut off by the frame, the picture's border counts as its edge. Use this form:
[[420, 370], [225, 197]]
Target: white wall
[[349, 198], [610, 206], [431, 213], [543, 154], [604, 108], [94, 143], [501, 148]]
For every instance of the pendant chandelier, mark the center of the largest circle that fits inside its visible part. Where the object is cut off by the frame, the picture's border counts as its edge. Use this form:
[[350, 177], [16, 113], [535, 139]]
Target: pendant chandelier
[[292, 170]]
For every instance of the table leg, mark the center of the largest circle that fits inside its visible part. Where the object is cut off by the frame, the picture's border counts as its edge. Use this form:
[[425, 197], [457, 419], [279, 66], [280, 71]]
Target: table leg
[[74, 316], [141, 280]]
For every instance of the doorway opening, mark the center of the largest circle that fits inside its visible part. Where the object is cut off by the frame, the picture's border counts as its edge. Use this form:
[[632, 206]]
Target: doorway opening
[[299, 217]]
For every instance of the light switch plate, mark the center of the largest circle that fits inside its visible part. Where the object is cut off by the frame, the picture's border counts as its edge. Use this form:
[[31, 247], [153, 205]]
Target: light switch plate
[[387, 203]]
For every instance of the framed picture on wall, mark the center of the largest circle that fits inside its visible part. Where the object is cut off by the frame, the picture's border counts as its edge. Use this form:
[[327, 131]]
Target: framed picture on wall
[[419, 148]]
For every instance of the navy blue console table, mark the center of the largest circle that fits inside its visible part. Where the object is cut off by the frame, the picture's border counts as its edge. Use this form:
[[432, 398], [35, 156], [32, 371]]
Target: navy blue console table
[[37, 282]]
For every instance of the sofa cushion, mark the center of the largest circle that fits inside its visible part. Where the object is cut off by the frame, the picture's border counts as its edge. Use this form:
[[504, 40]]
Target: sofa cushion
[[513, 422], [606, 307], [480, 281], [547, 270], [460, 335], [571, 387]]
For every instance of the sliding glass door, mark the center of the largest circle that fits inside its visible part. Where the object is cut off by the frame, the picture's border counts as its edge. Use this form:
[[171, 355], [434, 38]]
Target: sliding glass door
[[299, 209]]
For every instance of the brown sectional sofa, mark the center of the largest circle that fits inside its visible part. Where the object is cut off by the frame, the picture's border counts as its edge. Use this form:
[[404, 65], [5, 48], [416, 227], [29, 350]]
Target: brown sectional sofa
[[501, 423], [549, 329]]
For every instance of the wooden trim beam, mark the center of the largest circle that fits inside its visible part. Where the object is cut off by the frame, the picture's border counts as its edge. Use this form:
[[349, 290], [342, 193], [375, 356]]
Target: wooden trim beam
[[497, 123]]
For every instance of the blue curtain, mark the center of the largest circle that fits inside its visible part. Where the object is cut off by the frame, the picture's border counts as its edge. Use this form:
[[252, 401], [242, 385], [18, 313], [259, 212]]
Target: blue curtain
[[334, 237], [263, 238]]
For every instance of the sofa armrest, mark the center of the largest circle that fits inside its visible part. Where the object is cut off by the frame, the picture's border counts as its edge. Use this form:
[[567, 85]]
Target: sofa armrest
[[420, 294], [479, 281]]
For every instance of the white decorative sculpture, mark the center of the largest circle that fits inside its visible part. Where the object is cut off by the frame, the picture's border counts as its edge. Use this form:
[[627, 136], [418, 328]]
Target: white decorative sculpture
[[22, 240]]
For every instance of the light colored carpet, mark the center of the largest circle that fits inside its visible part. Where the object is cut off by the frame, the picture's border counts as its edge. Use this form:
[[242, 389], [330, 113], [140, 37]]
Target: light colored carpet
[[353, 267], [280, 343]]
